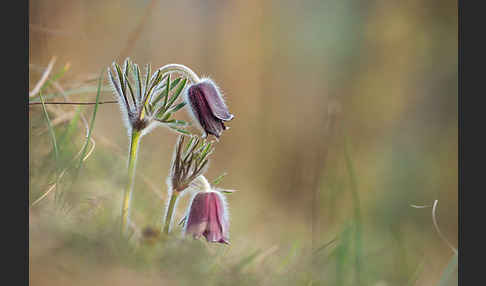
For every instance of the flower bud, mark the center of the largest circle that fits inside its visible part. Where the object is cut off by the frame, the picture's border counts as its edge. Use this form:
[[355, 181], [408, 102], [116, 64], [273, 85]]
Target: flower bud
[[208, 107], [208, 217]]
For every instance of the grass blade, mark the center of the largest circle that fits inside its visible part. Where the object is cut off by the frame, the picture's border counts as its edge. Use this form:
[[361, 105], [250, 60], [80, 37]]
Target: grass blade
[[416, 274], [246, 261], [56, 76], [342, 252], [357, 213], [88, 138], [53, 140], [49, 126], [448, 277], [74, 91], [70, 129]]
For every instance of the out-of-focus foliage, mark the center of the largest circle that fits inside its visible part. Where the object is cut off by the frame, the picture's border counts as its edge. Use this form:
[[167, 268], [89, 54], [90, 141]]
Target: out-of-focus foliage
[[345, 115]]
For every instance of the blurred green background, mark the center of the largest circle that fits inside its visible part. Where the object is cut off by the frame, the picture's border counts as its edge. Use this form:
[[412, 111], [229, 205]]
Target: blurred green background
[[345, 115]]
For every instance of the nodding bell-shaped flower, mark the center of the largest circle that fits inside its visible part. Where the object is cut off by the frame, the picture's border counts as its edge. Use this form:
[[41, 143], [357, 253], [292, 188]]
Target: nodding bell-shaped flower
[[207, 215], [208, 107]]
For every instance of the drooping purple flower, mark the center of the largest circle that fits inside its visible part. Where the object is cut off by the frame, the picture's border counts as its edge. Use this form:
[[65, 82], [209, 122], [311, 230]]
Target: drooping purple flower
[[208, 107], [208, 217]]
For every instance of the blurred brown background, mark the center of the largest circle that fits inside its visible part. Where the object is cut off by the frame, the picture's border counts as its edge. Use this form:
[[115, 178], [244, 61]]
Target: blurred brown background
[[309, 82]]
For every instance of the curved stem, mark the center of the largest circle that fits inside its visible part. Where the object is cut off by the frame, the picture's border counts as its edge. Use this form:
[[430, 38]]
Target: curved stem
[[127, 196], [204, 184], [170, 211], [190, 74], [436, 225], [182, 69]]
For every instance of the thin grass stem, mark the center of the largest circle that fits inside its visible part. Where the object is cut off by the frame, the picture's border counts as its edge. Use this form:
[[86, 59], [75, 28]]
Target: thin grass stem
[[43, 79], [53, 139], [93, 118], [357, 213], [75, 103]]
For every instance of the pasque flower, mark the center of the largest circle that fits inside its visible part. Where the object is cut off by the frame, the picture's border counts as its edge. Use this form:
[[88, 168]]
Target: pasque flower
[[208, 107], [189, 162], [146, 103], [207, 215]]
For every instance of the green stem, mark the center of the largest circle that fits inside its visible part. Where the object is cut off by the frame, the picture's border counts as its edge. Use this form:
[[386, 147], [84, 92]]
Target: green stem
[[170, 210], [127, 196], [357, 213]]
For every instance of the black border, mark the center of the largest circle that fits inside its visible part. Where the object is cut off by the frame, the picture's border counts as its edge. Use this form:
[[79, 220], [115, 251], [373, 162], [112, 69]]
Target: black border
[[471, 143], [15, 134]]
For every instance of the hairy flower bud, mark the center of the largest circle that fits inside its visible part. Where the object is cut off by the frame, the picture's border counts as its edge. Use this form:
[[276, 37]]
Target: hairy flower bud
[[208, 217], [208, 107]]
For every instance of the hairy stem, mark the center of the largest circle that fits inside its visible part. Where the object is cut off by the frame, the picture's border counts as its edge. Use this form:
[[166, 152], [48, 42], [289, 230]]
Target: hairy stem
[[182, 69], [127, 196], [170, 211]]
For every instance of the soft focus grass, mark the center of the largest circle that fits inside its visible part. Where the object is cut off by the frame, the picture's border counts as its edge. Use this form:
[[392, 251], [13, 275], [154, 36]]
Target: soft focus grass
[[75, 240]]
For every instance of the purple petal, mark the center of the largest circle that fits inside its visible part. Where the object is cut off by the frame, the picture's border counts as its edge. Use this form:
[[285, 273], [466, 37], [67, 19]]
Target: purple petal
[[214, 229], [197, 219], [207, 217], [215, 100], [203, 113]]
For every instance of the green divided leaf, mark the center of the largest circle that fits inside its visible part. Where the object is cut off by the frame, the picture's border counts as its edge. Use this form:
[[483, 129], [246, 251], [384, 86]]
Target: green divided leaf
[[177, 92], [226, 191], [138, 79], [189, 144], [177, 122], [205, 150], [130, 89], [163, 95], [147, 77], [219, 178], [163, 118], [180, 130], [178, 106], [175, 83], [121, 78], [166, 92]]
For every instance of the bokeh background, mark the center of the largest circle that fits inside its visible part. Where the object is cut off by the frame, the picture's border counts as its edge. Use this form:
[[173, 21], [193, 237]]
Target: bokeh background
[[345, 116]]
